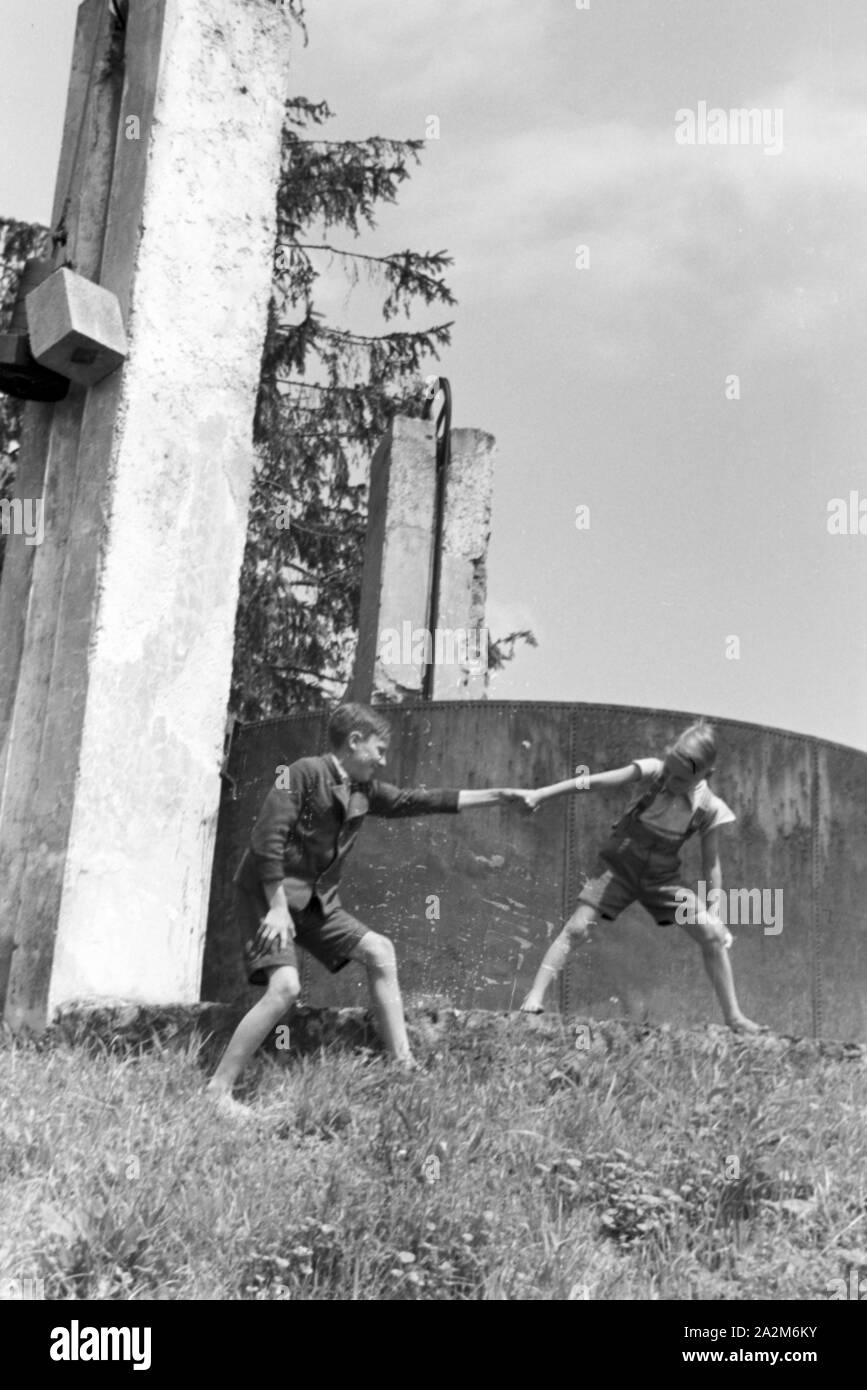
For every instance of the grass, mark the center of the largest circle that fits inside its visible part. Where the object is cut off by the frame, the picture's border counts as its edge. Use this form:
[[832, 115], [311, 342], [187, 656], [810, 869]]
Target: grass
[[643, 1163]]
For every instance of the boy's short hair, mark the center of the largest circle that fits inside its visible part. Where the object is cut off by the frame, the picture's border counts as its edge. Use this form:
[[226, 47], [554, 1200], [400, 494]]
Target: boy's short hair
[[696, 745], [355, 718]]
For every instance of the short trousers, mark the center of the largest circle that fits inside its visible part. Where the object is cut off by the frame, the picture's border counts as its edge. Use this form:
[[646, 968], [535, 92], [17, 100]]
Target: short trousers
[[329, 936], [634, 869]]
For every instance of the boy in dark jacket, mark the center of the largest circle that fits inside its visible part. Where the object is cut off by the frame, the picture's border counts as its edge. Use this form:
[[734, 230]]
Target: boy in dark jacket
[[288, 883]]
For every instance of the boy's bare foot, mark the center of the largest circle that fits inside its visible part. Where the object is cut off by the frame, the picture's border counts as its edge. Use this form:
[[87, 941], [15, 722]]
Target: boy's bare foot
[[529, 1006], [740, 1024], [405, 1064], [230, 1109]]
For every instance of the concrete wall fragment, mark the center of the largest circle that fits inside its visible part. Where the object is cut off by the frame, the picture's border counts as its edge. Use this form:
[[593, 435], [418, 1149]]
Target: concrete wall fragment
[[398, 637]]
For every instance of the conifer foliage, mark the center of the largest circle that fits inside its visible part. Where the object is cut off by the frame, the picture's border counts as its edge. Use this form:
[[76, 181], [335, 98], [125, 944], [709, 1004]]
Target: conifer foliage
[[326, 397]]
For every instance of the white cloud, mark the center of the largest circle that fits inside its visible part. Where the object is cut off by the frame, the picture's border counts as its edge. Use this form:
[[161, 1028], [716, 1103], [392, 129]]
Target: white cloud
[[763, 242]]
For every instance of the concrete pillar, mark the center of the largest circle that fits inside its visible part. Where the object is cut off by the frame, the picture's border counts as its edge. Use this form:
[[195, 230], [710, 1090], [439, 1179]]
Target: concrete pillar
[[459, 672], [398, 555], [396, 636], [111, 782]]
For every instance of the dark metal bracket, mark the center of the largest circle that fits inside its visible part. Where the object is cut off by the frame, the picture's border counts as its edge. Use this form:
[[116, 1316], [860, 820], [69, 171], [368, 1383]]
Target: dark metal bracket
[[232, 723], [443, 389]]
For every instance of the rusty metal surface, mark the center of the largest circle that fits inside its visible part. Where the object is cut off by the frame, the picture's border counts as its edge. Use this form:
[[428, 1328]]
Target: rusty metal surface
[[501, 882], [841, 873]]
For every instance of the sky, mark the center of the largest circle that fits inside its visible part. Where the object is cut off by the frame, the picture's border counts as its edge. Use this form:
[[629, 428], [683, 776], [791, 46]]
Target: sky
[[694, 376]]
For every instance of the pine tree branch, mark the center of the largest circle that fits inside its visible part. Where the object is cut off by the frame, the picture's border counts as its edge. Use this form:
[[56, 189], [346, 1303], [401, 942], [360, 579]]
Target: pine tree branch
[[314, 434], [310, 577], [386, 141], [314, 386], [406, 264], [344, 334], [305, 671]]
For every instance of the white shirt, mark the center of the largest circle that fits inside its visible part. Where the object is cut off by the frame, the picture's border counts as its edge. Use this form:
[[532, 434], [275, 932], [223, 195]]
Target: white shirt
[[669, 815]]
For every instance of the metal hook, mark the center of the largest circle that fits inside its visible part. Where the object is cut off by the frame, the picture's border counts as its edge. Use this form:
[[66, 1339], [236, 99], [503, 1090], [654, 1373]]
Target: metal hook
[[444, 417], [120, 12], [443, 459]]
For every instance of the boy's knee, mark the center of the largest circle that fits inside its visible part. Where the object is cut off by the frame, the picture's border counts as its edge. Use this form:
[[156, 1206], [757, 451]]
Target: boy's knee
[[378, 952], [710, 931], [284, 987], [579, 927]]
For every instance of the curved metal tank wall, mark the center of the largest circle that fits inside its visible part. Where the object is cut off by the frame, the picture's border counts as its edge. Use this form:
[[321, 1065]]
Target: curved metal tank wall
[[471, 900]]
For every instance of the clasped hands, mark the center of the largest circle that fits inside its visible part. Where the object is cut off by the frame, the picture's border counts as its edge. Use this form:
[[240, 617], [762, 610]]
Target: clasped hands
[[526, 799]]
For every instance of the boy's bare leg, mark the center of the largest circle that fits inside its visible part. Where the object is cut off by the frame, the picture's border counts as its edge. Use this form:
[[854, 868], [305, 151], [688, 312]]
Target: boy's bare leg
[[283, 989], [714, 952], [376, 954], [575, 933]]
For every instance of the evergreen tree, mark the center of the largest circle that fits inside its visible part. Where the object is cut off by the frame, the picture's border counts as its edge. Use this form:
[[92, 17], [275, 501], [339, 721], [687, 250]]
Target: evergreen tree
[[326, 397], [325, 400]]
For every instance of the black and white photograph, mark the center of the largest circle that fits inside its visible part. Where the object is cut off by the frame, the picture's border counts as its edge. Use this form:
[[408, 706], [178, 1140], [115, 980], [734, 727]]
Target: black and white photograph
[[433, 673]]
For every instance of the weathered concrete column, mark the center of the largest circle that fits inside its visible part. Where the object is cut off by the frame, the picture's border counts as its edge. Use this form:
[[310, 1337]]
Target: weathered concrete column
[[397, 636], [111, 783], [398, 559], [461, 652]]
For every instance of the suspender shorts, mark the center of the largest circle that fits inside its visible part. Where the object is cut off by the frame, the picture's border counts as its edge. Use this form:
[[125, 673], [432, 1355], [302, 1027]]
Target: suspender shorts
[[637, 865]]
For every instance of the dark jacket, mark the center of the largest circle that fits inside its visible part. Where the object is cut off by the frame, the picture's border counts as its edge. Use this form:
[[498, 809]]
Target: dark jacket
[[303, 834]]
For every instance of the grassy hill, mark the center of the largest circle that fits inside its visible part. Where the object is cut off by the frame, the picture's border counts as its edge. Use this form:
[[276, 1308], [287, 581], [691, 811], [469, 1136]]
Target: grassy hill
[[529, 1159]]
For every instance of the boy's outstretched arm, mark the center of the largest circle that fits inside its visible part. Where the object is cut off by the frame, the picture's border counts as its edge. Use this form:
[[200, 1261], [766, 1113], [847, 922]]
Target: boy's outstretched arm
[[484, 796], [393, 802], [617, 777]]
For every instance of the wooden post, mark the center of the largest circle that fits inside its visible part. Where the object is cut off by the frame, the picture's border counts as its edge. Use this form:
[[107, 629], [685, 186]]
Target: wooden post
[[111, 719]]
